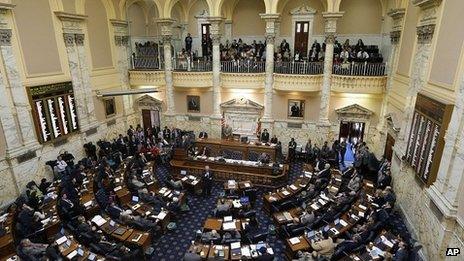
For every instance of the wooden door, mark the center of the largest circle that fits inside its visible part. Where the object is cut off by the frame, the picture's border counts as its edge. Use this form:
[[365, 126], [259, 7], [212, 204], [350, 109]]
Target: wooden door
[[301, 38], [389, 147], [146, 119], [205, 30]]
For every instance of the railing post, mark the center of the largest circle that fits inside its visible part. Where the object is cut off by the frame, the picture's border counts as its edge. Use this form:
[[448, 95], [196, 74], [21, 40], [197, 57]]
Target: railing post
[[189, 67], [365, 68], [351, 68], [304, 67], [248, 61]]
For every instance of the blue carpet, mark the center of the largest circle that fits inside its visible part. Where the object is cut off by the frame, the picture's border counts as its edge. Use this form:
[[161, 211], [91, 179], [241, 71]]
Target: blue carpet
[[174, 244]]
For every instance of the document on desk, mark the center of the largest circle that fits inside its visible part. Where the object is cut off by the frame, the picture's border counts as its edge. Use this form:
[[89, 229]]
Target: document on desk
[[229, 225], [227, 218], [194, 182], [287, 216], [323, 196], [343, 223], [117, 188], [45, 221], [162, 215], [362, 207], [136, 239], [315, 206], [294, 240], [247, 185], [184, 178], [321, 201], [386, 241], [88, 204], [335, 231], [72, 254], [61, 240], [98, 220], [246, 251], [235, 245], [236, 204], [293, 187], [286, 193]]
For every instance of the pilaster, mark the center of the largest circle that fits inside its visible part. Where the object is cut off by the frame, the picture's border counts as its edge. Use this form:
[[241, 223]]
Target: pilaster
[[215, 31], [166, 34], [121, 40], [330, 31], [74, 39], [269, 80]]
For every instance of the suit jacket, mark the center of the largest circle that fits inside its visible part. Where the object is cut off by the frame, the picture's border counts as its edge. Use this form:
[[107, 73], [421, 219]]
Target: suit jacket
[[324, 247], [203, 135], [265, 137], [265, 257]]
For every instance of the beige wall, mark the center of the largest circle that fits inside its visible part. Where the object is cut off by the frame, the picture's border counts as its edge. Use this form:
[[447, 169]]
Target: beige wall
[[254, 95], [280, 105], [246, 19], [99, 37], [36, 34], [69, 6], [2, 143], [449, 44], [116, 8], [361, 17], [206, 96], [152, 26], [136, 17], [195, 10], [286, 26], [408, 38]]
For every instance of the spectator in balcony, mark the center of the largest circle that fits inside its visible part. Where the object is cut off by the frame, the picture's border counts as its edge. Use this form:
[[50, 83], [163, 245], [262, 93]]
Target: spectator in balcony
[[359, 45], [337, 47], [363, 55], [345, 55], [188, 43], [296, 58], [284, 47], [204, 46], [315, 49], [346, 45]]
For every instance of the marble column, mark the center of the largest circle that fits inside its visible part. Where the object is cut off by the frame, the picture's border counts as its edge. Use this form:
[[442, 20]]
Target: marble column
[[422, 58], [269, 80], [215, 31], [166, 33], [74, 40], [22, 108], [121, 40], [330, 30], [397, 16], [228, 30]]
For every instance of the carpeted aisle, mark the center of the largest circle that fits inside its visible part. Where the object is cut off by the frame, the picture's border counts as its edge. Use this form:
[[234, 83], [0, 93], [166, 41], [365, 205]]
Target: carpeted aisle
[[173, 244]]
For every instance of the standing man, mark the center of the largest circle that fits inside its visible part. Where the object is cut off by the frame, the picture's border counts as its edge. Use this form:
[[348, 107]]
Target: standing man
[[207, 181], [188, 44], [343, 151], [167, 133], [265, 136], [291, 150]]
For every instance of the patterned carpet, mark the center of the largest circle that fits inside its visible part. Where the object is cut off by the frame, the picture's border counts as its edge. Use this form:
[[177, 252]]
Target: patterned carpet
[[173, 245]]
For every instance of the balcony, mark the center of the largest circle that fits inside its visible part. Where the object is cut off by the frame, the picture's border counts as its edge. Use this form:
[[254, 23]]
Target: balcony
[[358, 84], [147, 63], [302, 68], [243, 66], [359, 69], [187, 65]]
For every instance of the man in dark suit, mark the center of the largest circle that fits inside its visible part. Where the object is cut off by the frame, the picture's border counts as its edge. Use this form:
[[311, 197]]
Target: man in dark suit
[[402, 253], [265, 136], [274, 139], [167, 133], [207, 181], [203, 135], [295, 110], [188, 43], [114, 211], [291, 150], [264, 255]]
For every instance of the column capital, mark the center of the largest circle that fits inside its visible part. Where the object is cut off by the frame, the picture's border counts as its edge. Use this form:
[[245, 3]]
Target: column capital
[[331, 21], [395, 37], [429, 11], [270, 17], [166, 28], [425, 33], [271, 29], [68, 39], [5, 37], [120, 26], [425, 4], [72, 23], [79, 38], [121, 40]]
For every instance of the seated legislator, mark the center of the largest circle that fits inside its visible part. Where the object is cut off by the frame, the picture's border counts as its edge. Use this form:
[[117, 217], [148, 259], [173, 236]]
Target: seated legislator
[[274, 139], [265, 136], [323, 248], [203, 135], [264, 158]]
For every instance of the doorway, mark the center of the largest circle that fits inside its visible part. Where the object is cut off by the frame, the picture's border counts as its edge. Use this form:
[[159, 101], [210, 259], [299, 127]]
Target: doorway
[[150, 119], [389, 147], [301, 38], [205, 34], [351, 132]]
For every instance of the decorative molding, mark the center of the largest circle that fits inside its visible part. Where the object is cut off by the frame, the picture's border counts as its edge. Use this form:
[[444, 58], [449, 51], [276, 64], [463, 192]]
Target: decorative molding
[[395, 37], [426, 3], [119, 23], [6, 6], [330, 38], [330, 26], [359, 84], [243, 80], [68, 39], [204, 14], [192, 79], [5, 37], [152, 78], [297, 82], [241, 104], [121, 40], [425, 33], [354, 111], [79, 38], [70, 16], [72, 23], [146, 101], [303, 10]]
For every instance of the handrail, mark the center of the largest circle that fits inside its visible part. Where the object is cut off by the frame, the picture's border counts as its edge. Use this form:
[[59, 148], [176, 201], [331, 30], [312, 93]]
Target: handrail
[[311, 68], [360, 69], [243, 66]]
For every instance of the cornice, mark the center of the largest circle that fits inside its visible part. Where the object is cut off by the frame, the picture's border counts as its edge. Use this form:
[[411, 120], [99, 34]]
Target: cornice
[[120, 23], [397, 13], [70, 16], [5, 6]]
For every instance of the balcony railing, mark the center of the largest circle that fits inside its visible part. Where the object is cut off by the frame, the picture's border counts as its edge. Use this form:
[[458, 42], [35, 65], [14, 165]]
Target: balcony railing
[[360, 69], [181, 64], [245, 66], [312, 68], [147, 63]]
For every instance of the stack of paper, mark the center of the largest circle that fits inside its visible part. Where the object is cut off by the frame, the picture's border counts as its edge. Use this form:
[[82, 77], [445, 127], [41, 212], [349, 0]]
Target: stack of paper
[[98, 220], [293, 187], [228, 225], [227, 218], [315, 206], [287, 216], [61, 240], [294, 240], [343, 223]]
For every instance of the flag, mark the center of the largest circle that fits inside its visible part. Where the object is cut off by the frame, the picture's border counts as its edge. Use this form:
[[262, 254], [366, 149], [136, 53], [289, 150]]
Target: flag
[[258, 128]]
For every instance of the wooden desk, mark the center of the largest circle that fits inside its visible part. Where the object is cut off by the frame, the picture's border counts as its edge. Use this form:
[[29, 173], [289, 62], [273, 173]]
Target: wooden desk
[[213, 252], [144, 242], [7, 246], [217, 147], [213, 224], [262, 175], [292, 249]]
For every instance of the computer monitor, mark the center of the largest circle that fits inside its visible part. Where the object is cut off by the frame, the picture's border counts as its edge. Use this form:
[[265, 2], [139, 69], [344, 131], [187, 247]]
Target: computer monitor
[[135, 199], [183, 172]]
